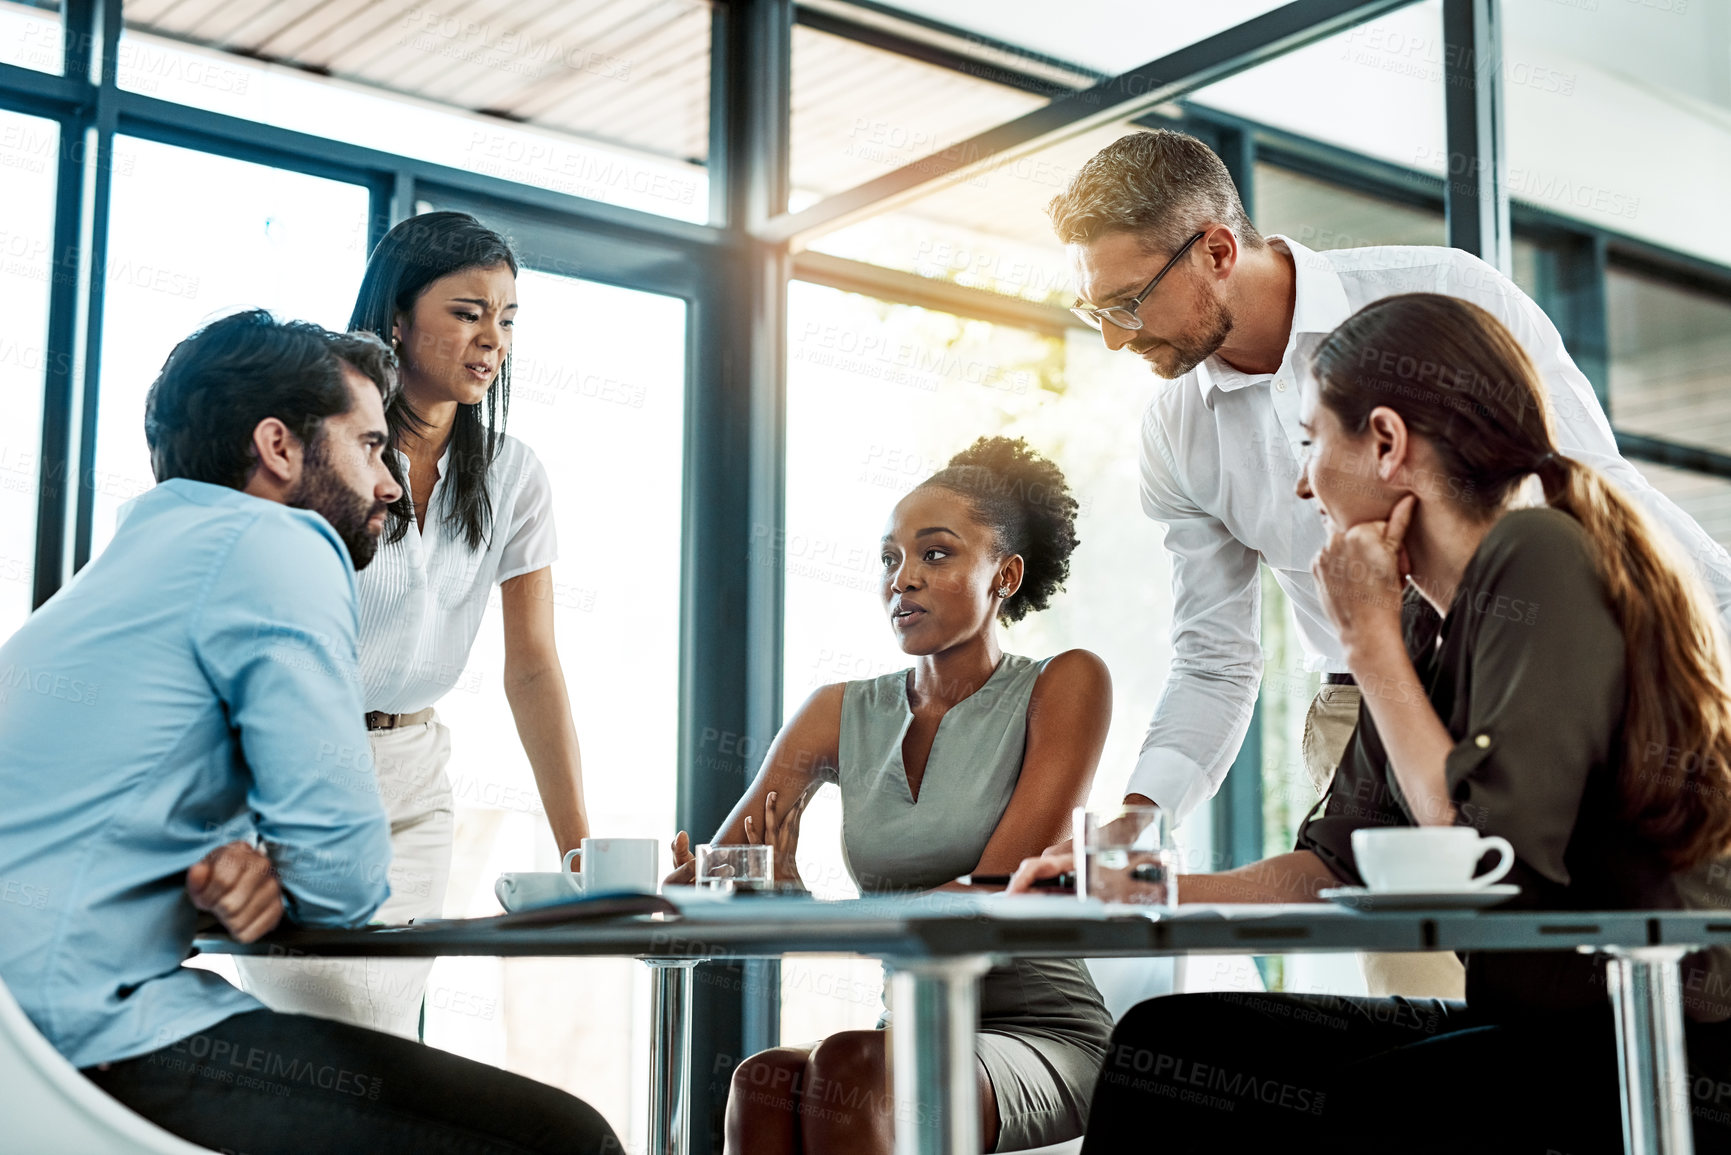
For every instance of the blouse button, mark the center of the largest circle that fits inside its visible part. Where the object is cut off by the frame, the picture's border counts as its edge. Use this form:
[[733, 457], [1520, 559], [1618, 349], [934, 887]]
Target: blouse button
[[1483, 741]]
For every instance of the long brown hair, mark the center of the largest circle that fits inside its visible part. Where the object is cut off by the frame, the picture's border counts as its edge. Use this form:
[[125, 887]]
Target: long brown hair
[[1459, 379]]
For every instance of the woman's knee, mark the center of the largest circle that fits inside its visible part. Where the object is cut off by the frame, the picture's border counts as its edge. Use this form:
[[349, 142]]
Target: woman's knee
[[768, 1080], [845, 1077]]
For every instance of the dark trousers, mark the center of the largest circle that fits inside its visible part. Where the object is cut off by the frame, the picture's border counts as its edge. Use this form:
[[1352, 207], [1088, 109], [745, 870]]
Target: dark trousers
[[1223, 1073], [264, 1082]]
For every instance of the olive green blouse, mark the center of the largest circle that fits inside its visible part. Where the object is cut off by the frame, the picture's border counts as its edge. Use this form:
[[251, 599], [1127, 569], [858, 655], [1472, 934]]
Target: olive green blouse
[[1527, 674]]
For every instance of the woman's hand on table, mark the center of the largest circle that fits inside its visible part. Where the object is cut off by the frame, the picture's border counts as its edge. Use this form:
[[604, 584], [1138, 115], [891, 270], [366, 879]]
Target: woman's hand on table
[[684, 862], [1361, 575], [1048, 865], [780, 832]]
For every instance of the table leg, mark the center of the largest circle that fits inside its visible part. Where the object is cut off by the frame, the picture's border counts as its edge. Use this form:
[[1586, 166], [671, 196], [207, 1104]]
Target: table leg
[[670, 1055], [936, 1004], [1647, 995]]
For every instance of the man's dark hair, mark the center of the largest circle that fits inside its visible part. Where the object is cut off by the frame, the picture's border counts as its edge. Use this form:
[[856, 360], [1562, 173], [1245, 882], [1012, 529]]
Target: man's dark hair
[[219, 383]]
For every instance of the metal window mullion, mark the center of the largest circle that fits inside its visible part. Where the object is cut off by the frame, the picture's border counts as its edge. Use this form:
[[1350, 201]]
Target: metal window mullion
[[98, 191], [1476, 194], [731, 580], [69, 287]]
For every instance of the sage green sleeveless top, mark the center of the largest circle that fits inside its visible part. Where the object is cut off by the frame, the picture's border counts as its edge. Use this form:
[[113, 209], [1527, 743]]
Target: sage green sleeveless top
[[891, 842]]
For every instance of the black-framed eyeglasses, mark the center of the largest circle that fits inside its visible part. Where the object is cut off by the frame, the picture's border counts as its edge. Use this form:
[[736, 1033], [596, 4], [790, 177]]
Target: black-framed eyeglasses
[[1125, 316]]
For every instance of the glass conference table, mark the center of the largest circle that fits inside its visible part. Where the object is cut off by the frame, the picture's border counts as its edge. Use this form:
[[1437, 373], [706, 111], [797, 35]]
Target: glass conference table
[[936, 946]]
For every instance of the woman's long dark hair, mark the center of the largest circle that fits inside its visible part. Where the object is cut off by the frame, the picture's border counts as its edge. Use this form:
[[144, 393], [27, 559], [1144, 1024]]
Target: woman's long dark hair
[[412, 256], [1459, 379]]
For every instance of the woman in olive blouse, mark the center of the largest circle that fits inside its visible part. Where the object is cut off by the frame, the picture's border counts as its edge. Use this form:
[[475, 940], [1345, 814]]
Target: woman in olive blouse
[[1553, 675]]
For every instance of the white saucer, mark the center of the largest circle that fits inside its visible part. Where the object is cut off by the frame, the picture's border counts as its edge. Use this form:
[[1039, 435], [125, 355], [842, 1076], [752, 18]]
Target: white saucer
[[1363, 898]]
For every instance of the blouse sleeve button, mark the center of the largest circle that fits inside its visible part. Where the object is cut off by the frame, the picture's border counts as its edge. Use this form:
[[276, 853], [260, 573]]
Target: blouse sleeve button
[[1483, 741]]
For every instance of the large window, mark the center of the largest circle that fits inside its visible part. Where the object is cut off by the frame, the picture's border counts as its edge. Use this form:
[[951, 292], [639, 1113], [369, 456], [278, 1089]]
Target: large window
[[28, 147], [193, 236]]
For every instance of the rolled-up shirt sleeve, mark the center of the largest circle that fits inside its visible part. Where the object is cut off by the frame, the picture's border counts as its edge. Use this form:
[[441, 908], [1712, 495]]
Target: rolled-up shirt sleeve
[[1211, 689], [277, 639]]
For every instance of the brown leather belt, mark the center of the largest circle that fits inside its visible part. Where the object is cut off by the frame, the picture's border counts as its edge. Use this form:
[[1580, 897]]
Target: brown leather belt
[[379, 720]]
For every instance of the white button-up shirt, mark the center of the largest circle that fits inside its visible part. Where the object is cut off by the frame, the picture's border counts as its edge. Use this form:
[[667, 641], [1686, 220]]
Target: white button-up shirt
[[423, 597], [1221, 454]]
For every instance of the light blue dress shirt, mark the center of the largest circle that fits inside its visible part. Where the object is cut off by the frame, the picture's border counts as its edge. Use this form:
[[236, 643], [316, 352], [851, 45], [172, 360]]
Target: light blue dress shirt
[[194, 684]]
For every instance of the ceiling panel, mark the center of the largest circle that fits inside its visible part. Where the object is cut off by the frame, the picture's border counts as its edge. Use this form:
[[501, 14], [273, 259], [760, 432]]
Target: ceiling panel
[[631, 72]]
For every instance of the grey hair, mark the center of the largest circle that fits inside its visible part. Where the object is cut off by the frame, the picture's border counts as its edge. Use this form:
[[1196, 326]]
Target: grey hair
[[1161, 185]]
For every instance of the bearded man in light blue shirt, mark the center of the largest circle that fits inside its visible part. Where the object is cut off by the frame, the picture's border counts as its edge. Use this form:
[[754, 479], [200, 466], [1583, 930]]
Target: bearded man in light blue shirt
[[182, 728]]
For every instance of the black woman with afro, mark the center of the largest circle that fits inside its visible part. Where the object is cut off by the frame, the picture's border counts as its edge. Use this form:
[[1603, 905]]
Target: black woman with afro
[[965, 763]]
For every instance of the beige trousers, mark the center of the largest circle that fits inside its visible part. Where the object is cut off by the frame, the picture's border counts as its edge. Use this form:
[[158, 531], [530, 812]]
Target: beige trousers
[[1327, 726], [383, 994]]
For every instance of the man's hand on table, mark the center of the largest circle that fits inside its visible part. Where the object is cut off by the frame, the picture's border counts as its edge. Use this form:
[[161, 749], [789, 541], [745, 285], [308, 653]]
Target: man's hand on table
[[238, 884], [1056, 859]]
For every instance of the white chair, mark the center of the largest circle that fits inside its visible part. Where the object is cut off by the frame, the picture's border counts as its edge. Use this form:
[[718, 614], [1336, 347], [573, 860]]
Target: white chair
[[48, 1106]]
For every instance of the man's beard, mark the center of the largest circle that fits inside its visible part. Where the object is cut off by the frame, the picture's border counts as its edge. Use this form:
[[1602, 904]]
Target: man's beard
[[349, 513], [1190, 350]]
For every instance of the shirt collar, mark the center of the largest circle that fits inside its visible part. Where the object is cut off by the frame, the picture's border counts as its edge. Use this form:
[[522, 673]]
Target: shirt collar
[[1319, 305], [444, 457]]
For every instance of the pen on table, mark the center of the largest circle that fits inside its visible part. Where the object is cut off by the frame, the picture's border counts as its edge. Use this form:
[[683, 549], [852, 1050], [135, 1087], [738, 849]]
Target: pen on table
[[1064, 881]]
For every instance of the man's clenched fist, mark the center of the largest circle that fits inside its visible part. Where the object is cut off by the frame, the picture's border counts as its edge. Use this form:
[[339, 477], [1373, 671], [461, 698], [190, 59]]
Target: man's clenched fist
[[237, 884]]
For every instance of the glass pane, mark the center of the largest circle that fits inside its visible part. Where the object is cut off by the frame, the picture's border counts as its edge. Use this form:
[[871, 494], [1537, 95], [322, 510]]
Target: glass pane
[[989, 232], [879, 397], [26, 245], [859, 112], [1670, 360], [30, 35], [1620, 115], [193, 236], [1706, 499], [598, 392], [1319, 214], [603, 99], [1376, 88]]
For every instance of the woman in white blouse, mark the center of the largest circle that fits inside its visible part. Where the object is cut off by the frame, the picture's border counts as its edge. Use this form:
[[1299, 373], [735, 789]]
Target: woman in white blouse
[[476, 512]]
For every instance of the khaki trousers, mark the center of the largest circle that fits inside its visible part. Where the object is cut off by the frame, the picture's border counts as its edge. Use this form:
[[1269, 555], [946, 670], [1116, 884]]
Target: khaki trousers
[[1327, 726], [382, 994]]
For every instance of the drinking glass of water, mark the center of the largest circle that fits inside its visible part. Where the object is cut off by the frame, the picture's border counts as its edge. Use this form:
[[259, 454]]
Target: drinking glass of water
[[1126, 855], [730, 869]]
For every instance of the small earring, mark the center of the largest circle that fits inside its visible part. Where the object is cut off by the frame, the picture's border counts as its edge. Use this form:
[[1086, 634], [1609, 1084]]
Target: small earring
[[1003, 591]]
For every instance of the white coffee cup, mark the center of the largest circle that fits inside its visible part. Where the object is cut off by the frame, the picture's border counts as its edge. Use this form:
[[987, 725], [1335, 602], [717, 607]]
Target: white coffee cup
[[613, 864], [1428, 857]]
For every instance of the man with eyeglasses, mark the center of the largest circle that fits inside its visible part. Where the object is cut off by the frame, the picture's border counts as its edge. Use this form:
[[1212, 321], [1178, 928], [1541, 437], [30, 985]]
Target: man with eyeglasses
[[1176, 273]]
